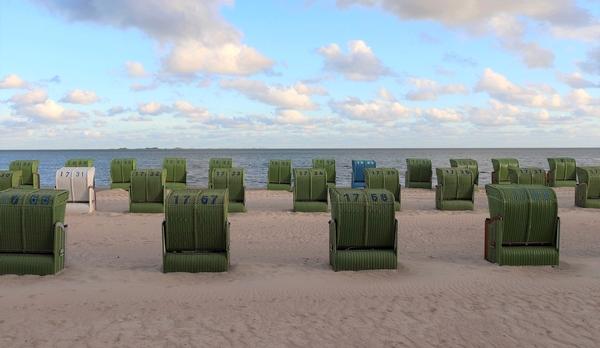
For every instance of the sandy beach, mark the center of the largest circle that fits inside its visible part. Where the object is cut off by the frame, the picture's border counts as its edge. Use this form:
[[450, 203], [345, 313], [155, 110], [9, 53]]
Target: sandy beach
[[280, 290]]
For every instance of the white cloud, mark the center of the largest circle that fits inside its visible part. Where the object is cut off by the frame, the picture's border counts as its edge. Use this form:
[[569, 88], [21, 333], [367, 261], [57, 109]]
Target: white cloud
[[135, 69], [441, 115], [359, 64], [152, 108], [49, 111], [382, 110], [285, 97], [78, 96], [191, 112], [201, 40], [33, 96], [293, 117], [116, 110], [426, 89], [140, 87], [589, 33], [12, 81]]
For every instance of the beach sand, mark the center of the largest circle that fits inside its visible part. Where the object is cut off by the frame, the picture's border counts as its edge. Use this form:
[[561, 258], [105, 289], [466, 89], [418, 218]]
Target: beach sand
[[280, 290]]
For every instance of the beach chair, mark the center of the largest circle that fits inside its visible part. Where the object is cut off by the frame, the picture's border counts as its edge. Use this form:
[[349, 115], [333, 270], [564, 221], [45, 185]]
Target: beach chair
[[358, 175], [195, 232], [387, 179], [232, 179], [455, 189], [147, 192], [562, 172], [587, 192], [418, 173], [527, 176], [501, 166], [120, 172], [466, 163], [30, 176], [523, 227], [363, 230], [176, 173], [79, 162], [79, 183], [310, 190], [280, 175], [32, 231], [215, 163], [9, 179], [329, 166]]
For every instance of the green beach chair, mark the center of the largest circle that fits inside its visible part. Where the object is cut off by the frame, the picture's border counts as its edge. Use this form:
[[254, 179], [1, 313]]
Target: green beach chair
[[147, 193], [466, 163], [32, 231], [176, 173], [80, 162], [418, 173], [562, 172], [310, 190], [232, 179], [196, 231], [363, 230], [384, 178], [280, 175], [120, 172], [30, 176], [587, 192], [527, 176], [455, 189], [9, 179], [523, 227], [215, 163], [501, 168], [329, 166]]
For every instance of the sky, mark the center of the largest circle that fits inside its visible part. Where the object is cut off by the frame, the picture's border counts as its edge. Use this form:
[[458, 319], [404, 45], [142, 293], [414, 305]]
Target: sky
[[79, 74]]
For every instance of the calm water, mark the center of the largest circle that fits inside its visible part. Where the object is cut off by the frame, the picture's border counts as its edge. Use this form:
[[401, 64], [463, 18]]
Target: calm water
[[256, 161]]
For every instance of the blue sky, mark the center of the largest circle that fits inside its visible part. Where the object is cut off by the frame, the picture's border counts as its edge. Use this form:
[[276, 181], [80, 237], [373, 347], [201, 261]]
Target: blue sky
[[277, 74]]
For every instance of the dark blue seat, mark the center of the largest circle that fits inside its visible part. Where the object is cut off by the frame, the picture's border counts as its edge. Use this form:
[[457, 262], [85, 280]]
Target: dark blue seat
[[358, 172]]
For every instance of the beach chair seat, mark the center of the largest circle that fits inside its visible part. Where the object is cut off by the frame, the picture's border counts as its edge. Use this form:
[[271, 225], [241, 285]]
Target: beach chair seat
[[30, 176], [9, 179], [233, 180], [310, 190], [527, 176], [523, 227], [79, 162], [176, 173], [500, 175], [120, 172], [455, 189], [32, 231], [587, 192], [562, 172], [280, 175], [385, 178], [363, 230], [418, 173], [215, 163], [329, 166], [196, 231], [79, 183], [471, 164], [358, 172], [147, 193]]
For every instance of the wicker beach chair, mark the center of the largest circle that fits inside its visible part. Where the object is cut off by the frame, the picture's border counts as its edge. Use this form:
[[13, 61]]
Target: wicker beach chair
[[466, 163], [418, 173], [527, 176], [279, 175], [455, 189], [562, 172], [587, 192], [147, 193], [120, 172], [232, 179], [329, 166], [215, 163], [310, 190], [79, 162], [358, 172], [501, 169], [176, 173], [30, 176], [386, 179]]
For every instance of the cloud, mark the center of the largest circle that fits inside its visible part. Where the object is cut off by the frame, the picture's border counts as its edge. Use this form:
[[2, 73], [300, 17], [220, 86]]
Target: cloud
[[116, 110], [199, 38], [430, 90], [359, 64], [286, 97], [382, 110], [576, 80], [152, 108], [34, 96], [588, 33], [191, 112], [592, 62], [436, 115], [78, 96], [12, 81], [293, 117], [49, 111], [140, 87], [135, 69]]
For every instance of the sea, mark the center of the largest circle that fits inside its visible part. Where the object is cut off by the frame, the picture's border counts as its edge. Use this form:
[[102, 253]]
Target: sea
[[256, 161]]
